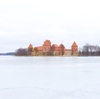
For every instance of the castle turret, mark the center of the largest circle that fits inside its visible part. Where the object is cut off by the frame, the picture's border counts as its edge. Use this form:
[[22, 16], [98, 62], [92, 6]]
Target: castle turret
[[47, 45], [30, 46], [74, 49], [30, 49], [61, 49]]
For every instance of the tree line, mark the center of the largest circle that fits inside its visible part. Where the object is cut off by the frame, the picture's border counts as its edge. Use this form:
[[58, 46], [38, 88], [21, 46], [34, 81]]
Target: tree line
[[89, 50], [22, 52]]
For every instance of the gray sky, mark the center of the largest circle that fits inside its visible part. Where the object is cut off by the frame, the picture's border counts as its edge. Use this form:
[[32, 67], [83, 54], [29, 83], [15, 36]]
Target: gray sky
[[62, 21]]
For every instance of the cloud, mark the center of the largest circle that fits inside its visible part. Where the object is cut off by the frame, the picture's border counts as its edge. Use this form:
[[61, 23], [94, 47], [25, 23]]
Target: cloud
[[32, 21]]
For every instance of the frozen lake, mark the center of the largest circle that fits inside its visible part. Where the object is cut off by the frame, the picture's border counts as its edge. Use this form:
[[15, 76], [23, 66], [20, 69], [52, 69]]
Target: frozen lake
[[49, 77]]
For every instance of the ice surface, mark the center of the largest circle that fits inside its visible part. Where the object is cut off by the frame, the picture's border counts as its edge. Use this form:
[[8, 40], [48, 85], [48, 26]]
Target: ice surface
[[49, 77]]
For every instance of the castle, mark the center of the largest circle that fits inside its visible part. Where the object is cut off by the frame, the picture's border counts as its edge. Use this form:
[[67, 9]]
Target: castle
[[53, 50]]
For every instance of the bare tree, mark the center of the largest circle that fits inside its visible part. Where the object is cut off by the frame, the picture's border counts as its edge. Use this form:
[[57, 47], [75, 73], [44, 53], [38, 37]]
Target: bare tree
[[21, 52], [90, 50]]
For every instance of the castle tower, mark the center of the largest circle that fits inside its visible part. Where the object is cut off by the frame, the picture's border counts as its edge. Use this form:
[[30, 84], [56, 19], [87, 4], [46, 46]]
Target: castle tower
[[74, 49], [61, 49], [47, 45], [30, 49]]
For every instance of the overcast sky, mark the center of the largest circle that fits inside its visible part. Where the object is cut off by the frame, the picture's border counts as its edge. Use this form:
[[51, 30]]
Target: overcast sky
[[62, 21]]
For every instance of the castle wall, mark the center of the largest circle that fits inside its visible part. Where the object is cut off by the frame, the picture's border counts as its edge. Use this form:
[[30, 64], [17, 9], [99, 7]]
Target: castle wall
[[68, 53]]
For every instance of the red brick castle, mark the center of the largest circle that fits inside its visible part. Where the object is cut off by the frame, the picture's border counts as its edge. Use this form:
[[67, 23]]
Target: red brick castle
[[53, 50]]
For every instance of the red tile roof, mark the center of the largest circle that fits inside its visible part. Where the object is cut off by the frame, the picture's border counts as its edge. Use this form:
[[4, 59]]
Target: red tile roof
[[74, 44], [47, 43], [30, 46], [55, 45], [40, 48]]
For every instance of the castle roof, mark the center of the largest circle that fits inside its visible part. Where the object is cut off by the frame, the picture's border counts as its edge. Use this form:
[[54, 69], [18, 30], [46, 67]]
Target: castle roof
[[55, 45], [30, 46], [47, 43], [40, 48], [74, 44], [62, 46]]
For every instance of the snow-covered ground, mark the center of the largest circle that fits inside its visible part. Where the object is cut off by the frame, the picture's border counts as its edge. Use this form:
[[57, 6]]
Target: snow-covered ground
[[49, 77]]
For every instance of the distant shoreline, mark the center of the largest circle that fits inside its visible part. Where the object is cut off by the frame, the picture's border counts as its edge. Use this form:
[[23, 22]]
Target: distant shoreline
[[7, 54]]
